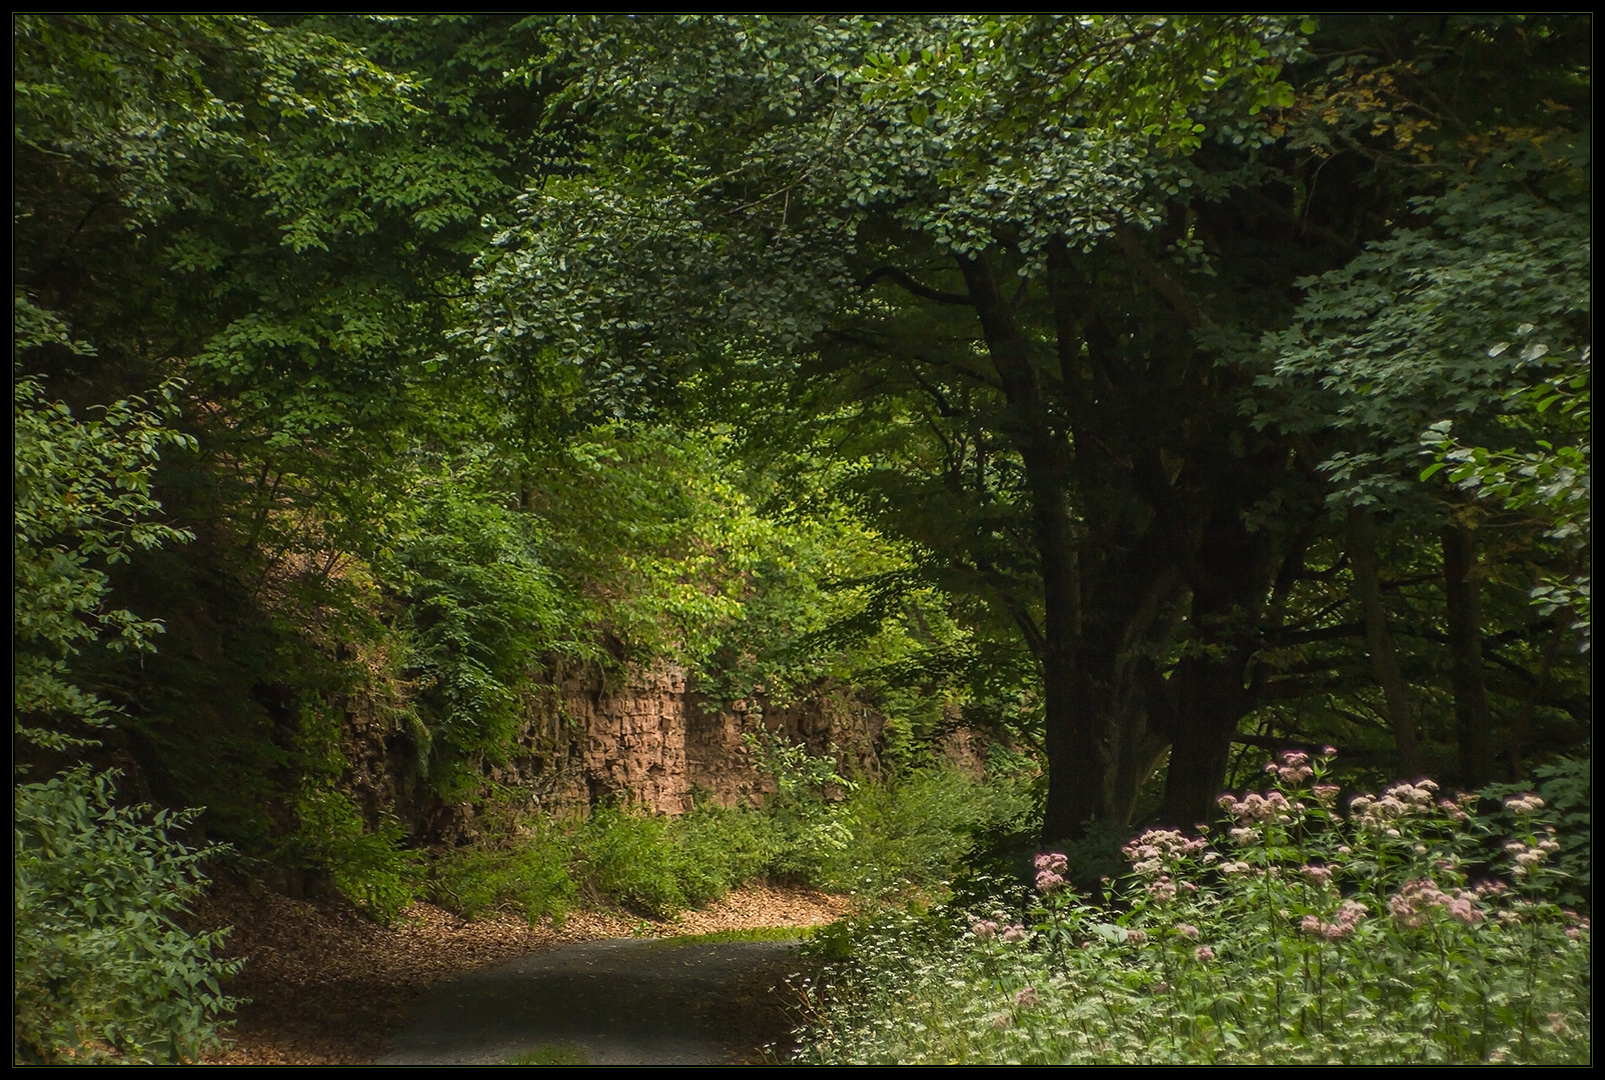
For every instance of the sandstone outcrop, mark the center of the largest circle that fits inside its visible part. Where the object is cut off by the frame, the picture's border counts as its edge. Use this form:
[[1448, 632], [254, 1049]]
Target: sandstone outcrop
[[641, 737]]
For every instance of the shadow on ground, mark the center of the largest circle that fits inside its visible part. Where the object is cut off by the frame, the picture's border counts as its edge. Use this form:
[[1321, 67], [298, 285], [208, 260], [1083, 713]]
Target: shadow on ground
[[616, 1002]]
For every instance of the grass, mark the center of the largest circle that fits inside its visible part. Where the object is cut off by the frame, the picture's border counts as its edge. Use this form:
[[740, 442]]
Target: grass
[[553, 1054], [752, 933]]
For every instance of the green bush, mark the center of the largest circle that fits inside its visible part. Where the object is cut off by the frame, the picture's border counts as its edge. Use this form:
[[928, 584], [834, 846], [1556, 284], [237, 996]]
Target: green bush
[[103, 970], [518, 864], [1567, 789], [653, 864], [527, 870], [369, 868], [721, 848], [479, 608], [915, 831], [632, 859], [872, 839], [908, 832]]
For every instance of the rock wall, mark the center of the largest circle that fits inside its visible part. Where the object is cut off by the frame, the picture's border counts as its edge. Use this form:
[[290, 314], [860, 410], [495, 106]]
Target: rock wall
[[651, 740], [642, 737]]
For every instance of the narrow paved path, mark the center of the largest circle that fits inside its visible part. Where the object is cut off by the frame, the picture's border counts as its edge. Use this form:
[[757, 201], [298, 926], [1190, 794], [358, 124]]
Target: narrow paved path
[[614, 1002]]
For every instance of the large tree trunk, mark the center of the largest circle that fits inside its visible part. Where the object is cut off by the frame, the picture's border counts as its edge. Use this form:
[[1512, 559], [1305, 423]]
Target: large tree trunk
[[1075, 770], [1210, 700], [1363, 561], [1230, 578], [1464, 603], [1134, 733], [1130, 617]]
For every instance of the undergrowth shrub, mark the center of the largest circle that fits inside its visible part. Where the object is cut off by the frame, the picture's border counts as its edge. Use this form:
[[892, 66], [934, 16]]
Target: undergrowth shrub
[[1402, 928], [103, 970], [656, 865], [632, 859], [1567, 789], [369, 867], [529, 873], [912, 832], [873, 839], [726, 847], [908, 833]]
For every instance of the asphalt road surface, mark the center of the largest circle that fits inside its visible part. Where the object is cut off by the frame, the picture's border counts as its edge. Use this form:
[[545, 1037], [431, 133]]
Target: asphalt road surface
[[617, 1002]]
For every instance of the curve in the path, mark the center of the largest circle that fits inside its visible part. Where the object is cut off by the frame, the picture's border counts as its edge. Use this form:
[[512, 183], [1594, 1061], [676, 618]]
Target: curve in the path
[[618, 1002]]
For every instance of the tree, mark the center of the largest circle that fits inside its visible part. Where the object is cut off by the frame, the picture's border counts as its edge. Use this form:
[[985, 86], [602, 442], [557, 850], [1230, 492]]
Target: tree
[[102, 969], [1045, 251], [1080, 366], [1441, 317], [265, 211], [763, 187], [284, 213], [81, 494]]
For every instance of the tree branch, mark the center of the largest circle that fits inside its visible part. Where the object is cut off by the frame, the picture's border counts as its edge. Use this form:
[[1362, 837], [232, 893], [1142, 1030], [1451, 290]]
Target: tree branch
[[1030, 631], [1292, 689], [1306, 574], [910, 283], [1158, 278], [1273, 744], [943, 409], [1287, 638]]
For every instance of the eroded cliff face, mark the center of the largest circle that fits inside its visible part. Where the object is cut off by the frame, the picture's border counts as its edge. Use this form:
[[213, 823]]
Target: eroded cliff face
[[641, 737]]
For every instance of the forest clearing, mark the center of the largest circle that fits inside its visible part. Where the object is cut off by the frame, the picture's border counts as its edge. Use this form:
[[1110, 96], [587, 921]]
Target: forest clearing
[[810, 539]]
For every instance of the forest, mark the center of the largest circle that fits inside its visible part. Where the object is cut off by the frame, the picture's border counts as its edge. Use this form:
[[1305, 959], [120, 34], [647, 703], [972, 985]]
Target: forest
[[974, 444]]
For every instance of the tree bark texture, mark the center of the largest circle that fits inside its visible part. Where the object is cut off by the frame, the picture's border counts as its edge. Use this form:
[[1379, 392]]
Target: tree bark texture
[[1230, 578], [1075, 771], [1210, 700], [1364, 564], [1463, 594]]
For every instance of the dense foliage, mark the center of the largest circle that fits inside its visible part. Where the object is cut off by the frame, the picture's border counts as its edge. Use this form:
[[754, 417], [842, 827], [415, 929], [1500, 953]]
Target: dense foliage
[[1119, 362], [899, 841], [104, 970], [1138, 392]]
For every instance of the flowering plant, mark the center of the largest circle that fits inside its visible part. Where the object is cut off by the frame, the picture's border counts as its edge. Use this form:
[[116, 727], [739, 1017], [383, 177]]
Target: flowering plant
[[1387, 927]]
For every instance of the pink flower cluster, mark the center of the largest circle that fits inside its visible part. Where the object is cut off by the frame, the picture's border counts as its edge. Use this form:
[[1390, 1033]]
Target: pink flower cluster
[[1524, 804], [1150, 852], [1295, 767], [1316, 875], [1255, 808], [1326, 792], [1187, 930], [1052, 870], [1349, 914], [1378, 814], [987, 929], [1202, 953], [1163, 890], [1528, 856], [1026, 998], [1412, 904]]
